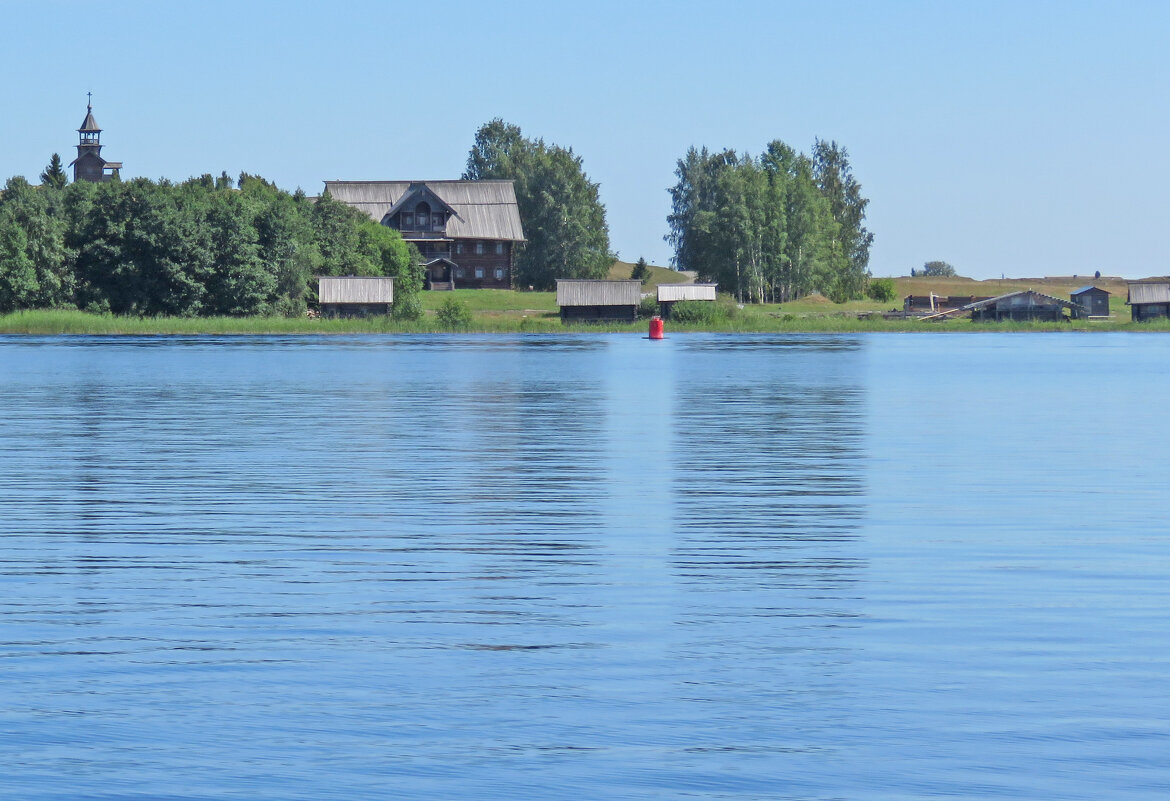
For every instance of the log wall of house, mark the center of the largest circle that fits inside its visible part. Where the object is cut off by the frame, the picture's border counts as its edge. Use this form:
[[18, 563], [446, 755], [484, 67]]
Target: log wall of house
[[489, 261]]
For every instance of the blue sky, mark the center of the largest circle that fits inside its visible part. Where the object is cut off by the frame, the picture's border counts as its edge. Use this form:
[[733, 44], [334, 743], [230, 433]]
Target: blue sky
[[1017, 138]]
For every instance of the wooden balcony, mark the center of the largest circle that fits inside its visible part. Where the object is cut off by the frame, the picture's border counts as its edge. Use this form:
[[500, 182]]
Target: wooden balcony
[[414, 234]]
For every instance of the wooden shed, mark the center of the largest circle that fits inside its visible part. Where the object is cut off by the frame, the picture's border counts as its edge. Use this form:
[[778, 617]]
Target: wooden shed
[[933, 304], [583, 300], [349, 296], [1148, 300], [1094, 302], [670, 294], [1026, 305]]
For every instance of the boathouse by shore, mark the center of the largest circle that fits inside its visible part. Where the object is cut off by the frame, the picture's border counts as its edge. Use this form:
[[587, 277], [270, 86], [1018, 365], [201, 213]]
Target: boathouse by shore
[[351, 296], [670, 294], [1148, 300], [1026, 305], [582, 300]]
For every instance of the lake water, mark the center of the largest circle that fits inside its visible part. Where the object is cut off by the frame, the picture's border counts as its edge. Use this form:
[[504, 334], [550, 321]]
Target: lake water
[[585, 567]]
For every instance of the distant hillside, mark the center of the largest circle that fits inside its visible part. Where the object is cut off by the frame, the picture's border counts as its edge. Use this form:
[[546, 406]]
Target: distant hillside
[[1058, 286], [658, 275]]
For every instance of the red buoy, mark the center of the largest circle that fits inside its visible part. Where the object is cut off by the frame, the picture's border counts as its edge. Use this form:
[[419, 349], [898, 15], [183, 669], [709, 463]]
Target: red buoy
[[656, 327]]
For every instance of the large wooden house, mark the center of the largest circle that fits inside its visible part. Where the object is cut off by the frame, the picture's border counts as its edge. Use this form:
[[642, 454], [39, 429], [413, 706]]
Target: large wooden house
[[465, 231]]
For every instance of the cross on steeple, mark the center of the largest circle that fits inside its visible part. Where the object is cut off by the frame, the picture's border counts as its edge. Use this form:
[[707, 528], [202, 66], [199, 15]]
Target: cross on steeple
[[89, 100]]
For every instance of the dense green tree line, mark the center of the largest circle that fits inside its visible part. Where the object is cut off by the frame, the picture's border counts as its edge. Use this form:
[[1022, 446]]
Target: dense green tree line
[[198, 248], [563, 218], [772, 227]]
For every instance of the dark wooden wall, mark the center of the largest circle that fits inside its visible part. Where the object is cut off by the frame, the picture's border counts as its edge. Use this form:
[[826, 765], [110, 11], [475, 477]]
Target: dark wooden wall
[[595, 314]]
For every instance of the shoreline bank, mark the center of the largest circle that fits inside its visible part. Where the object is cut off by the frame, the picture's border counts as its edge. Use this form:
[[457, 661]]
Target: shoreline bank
[[49, 323]]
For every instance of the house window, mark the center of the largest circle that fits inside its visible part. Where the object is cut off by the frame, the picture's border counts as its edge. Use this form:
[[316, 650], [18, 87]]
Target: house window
[[499, 248], [479, 248], [479, 272], [407, 219], [499, 273], [458, 248], [436, 220], [458, 272]]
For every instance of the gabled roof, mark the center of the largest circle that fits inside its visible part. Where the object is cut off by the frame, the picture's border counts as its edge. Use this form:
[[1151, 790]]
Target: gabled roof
[[90, 155], [351, 289], [1149, 292], [668, 293], [981, 304], [587, 292], [995, 301], [417, 192], [484, 209], [1084, 289], [89, 124]]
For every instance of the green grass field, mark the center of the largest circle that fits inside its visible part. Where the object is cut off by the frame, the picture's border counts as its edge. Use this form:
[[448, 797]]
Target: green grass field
[[502, 311]]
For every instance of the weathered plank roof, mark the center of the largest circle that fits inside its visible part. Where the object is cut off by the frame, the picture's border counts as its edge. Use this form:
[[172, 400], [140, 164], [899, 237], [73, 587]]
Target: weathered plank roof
[[581, 292], [484, 209], [336, 289], [1020, 298], [89, 124], [668, 293], [415, 193], [1013, 296], [1151, 292]]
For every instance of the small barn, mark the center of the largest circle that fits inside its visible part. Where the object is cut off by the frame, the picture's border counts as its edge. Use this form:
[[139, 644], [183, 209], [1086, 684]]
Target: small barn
[[583, 300], [350, 296], [670, 294], [1149, 300], [1094, 302], [1026, 305]]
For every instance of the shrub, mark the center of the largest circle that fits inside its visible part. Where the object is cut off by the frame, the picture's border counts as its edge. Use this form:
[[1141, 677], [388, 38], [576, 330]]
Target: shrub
[[454, 314], [409, 307], [881, 289], [700, 311], [648, 306], [938, 269]]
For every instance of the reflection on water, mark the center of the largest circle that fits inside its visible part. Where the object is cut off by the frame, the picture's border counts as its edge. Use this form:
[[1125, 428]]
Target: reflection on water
[[588, 566]]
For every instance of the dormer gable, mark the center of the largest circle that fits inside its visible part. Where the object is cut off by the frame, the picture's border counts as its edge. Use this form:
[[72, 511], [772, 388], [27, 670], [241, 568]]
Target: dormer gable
[[419, 209]]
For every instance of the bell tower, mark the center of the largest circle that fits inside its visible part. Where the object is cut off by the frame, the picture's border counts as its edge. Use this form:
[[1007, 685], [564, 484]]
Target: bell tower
[[89, 164]]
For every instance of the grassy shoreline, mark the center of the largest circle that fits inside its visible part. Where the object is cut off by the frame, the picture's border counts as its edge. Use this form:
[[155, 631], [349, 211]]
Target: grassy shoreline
[[48, 323], [502, 311]]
